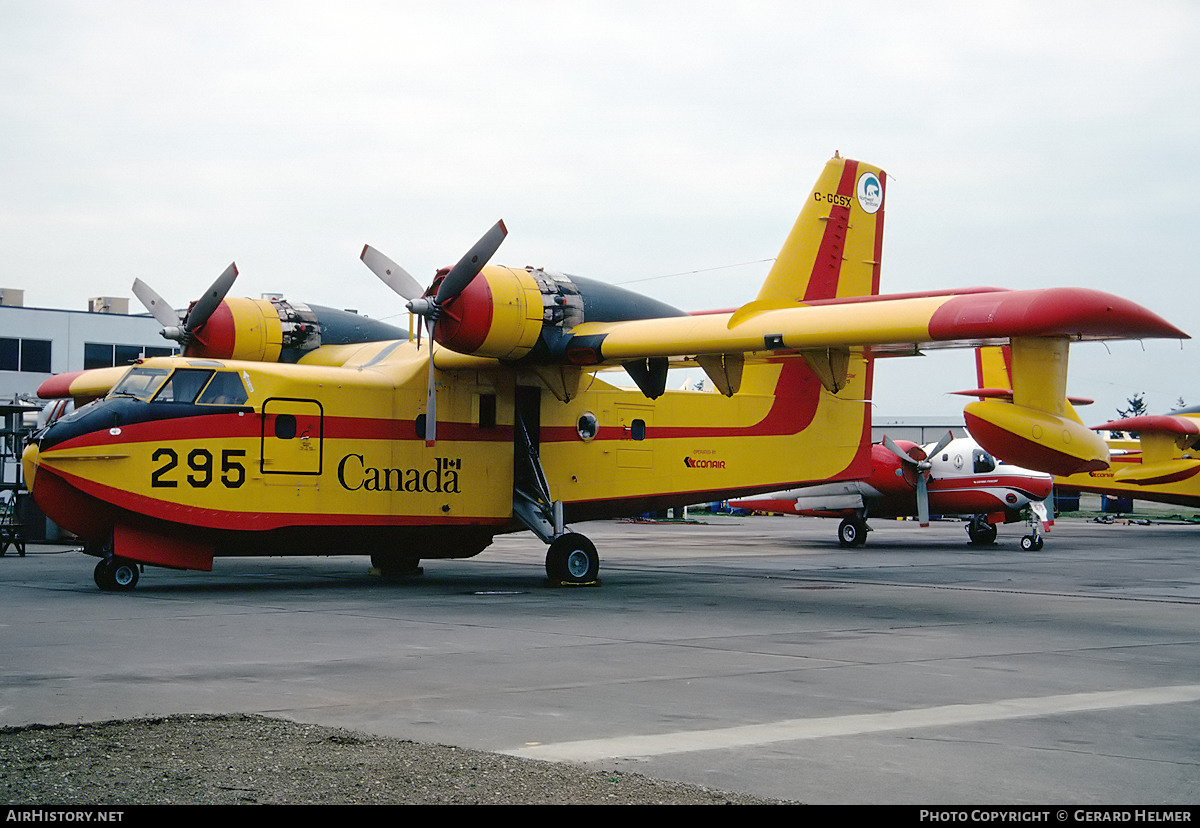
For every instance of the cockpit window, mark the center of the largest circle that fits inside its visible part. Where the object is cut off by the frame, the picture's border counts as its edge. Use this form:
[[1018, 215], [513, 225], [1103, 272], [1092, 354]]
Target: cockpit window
[[183, 386], [140, 383], [983, 461], [225, 388]]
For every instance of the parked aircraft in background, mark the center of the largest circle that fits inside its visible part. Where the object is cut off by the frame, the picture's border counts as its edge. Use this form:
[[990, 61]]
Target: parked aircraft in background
[[1158, 462], [1162, 467], [951, 477]]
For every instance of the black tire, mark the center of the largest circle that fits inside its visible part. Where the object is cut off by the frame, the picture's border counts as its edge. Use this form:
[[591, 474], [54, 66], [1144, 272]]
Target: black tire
[[852, 532], [396, 564], [981, 532], [115, 574], [572, 559]]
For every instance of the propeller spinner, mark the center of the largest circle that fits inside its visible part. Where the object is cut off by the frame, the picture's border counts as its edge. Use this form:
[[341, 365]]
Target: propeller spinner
[[922, 467], [428, 303]]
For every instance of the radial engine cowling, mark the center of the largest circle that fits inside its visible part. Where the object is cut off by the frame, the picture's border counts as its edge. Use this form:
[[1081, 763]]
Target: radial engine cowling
[[512, 314], [275, 330]]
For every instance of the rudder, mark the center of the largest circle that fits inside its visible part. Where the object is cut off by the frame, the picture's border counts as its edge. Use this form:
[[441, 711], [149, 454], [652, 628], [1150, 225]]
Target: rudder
[[835, 246]]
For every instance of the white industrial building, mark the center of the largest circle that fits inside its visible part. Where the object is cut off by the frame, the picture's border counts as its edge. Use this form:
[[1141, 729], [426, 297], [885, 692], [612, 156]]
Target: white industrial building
[[36, 343]]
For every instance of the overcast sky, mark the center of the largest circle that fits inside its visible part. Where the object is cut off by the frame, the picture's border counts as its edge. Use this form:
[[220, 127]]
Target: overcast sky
[[663, 145]]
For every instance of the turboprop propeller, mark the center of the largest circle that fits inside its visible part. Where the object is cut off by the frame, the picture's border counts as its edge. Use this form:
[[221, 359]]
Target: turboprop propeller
[[922, 466], [185, 329], [429, 303]]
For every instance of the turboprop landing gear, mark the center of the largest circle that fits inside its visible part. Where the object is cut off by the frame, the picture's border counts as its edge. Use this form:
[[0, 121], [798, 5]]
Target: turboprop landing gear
[[1034, 540], [853, 532], [115, 574], [572, 559], [396, 565], [980, 531]]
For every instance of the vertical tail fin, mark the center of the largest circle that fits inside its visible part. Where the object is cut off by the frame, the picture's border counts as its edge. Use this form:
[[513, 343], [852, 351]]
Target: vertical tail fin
[[832, 252], [835, 246]]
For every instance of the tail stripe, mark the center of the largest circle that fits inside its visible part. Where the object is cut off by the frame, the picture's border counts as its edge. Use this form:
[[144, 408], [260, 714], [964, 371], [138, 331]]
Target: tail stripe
[[827, 268]]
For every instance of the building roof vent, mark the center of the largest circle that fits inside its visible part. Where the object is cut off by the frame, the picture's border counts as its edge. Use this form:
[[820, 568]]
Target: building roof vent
[[109, 304]]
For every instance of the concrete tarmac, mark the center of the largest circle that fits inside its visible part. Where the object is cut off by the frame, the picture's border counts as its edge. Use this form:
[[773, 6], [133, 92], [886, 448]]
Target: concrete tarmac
[[750, 654]]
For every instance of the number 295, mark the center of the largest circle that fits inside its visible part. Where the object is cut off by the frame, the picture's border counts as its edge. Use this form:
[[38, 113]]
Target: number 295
[[201, 468]]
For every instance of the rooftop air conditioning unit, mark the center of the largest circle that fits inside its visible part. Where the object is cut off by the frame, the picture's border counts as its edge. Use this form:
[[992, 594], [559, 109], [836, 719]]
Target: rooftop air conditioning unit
[[109, 304]]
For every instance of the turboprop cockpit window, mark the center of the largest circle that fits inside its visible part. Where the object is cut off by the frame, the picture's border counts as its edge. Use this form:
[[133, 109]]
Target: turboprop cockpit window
[[140, 383], [983, 462], [183, 386], [225, 388]]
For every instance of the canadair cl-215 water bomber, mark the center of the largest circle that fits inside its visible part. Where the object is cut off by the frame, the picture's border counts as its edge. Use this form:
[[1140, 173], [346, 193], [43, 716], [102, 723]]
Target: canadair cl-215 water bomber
[[281, 430]]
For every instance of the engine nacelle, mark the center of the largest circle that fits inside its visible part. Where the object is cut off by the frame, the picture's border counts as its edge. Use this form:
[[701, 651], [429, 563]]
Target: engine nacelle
[[1035, 439], [889, 474], [512, 314], [275, 330]]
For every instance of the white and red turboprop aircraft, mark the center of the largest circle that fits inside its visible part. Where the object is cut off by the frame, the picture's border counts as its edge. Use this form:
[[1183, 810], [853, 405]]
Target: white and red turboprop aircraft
[[951, 477]]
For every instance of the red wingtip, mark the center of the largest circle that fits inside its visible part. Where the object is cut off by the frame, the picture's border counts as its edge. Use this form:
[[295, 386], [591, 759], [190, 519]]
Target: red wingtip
[[58, 386]]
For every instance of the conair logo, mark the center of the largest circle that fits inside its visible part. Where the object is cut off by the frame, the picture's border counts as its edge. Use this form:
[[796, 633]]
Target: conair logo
[[695, 463], [870, 192]]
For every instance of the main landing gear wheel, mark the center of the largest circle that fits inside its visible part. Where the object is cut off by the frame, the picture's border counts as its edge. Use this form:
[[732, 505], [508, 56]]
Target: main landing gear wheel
[[1032, 543], [981, 532], [572, 559], [116, 574], [396, 565], [852, 532]]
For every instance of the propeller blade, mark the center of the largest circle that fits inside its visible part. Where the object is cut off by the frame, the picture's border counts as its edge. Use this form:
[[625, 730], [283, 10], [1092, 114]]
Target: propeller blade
[[158, 306], [945, 441], [922, 500], [899, 452], [468, 266], [211, 299], [391, 274], [431, 394]]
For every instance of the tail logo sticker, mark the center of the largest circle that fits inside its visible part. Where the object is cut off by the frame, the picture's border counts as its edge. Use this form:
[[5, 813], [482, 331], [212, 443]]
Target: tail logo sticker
[[870, 192]]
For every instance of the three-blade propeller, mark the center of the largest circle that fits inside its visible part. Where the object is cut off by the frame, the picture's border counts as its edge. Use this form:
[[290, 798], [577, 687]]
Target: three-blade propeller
[[922, 467], [427, 303], [183, 330]]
